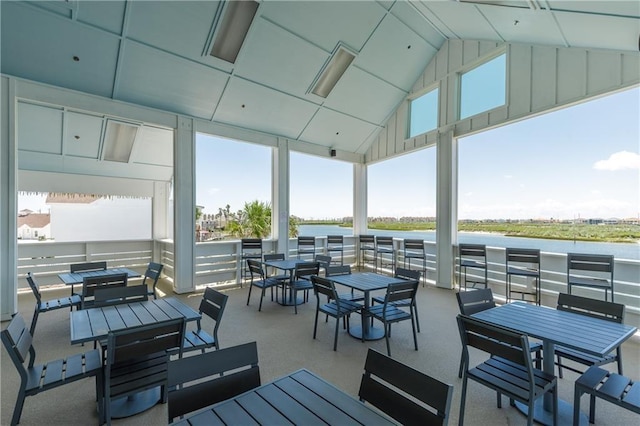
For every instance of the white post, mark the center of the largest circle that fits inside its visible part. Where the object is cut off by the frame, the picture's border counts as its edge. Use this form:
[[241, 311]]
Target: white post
[[280, 196], [446, 208], [359, 199], [8, 201], [184, 206]]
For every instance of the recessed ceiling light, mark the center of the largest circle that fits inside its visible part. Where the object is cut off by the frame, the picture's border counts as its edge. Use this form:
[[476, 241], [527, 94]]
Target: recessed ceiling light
[[332, 71], [118, 141], [233, 29]]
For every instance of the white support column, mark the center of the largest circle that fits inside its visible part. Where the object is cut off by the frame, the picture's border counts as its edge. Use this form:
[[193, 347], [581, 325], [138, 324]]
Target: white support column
[[280, 196], [359, 199], [184, 206], [159, 216], [8, 201], [446, 207]]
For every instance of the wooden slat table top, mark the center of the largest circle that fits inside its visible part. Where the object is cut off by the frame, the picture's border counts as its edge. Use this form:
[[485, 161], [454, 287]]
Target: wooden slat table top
[[299, 398], [94, 324], [366, 281], [591, 335], [76, 278]]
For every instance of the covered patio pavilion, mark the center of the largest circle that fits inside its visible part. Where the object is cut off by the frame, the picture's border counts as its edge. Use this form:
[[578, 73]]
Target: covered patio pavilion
[[107, 97], [134, 82]]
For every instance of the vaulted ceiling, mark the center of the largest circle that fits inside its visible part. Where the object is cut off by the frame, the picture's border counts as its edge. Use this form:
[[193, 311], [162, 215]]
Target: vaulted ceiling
[[157, 54]]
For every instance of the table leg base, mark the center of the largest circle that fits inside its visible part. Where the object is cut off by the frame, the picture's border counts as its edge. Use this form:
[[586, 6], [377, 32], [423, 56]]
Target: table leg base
[[133, 404], [565, 413], [372, 333]]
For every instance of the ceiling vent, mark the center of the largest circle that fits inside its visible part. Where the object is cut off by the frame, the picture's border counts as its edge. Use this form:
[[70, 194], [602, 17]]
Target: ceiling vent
[[332, 71], [232, 29], [118, 141]]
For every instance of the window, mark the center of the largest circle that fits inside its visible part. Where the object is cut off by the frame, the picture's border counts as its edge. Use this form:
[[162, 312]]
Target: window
[[233, 189], [323, 196], [423, 113], [484, 87]]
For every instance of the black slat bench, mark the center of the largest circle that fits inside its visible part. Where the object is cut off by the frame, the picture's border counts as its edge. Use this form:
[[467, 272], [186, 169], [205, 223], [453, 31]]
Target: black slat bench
[[612, 387]]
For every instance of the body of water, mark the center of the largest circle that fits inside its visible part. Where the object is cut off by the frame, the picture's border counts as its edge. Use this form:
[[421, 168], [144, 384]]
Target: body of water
[[618, 250]]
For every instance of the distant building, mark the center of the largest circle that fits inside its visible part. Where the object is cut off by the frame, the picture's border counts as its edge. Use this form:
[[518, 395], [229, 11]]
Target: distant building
[[33, 226]]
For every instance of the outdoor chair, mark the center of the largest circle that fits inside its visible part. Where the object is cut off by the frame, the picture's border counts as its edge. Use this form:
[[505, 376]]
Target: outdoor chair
[[42, 377], [508, 371], [367, 245], [409, 275], [212, 305], [137, 360], [86, 267], [386, 383], [90, 284], [250, 248], [389, 313], [414, 249], [153, 275], [474, 301], [472, 256], [323, 260], [594, 308], [332, 271], [276, 256], [306, 246], [592, 271], [385, 248], [205, 379], [523, 263], [335, 243], [107, 295], [258, 279], [49, 305], [613, 388], [335, 307], [302, 280]]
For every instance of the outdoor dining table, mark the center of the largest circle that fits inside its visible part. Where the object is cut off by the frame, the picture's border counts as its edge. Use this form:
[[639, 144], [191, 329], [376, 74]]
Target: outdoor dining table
[[93, 324], [555, 327], [300, 398], [366, 282], [72, 278], [288, 266]]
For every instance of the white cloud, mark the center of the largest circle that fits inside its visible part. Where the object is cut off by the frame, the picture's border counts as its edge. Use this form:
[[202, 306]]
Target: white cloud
[[623, 160], [212, 191]]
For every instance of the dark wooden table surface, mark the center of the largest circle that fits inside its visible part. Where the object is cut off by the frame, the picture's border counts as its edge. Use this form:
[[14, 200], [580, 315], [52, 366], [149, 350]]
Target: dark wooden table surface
[[94, 324], [366, 282], [76, 278], [301, 398], [551, 326]]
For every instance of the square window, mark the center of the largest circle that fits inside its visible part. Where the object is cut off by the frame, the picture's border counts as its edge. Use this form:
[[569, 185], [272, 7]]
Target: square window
[[423, 113], [484, 87]]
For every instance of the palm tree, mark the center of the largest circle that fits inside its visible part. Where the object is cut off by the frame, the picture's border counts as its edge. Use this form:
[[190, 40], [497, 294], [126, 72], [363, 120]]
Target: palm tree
[[254, 220]]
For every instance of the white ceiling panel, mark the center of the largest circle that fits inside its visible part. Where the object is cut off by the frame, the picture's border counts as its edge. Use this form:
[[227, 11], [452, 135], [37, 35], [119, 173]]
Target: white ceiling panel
[[83, 133], [155, 78], [395, 53], [629, 8], [108, 15], [365, 96], [325, 23], [524, 25], [153, 146], [253, 106], [336, 130], [406, 12], [278, 59], [182, 28], [42, 47], [458, 20], [46, 136], [617, 32]]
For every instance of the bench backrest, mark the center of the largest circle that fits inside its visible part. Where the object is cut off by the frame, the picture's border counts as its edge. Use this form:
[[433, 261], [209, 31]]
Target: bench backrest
[[89, 285], [88, 266], [108, 295], [591, 307], [18, 342]]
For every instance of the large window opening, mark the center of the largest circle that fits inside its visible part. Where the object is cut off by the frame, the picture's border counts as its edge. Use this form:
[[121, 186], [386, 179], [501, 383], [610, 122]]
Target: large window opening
[[568, 178], [233, 189], [321, 195], [402, 195], [484, 87]]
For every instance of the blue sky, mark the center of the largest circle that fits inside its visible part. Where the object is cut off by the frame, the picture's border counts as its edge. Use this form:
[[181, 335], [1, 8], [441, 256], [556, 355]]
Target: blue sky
[[580, 161]]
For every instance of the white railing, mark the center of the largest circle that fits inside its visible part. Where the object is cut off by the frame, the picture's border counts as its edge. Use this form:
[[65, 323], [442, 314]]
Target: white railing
[[219, 262]]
